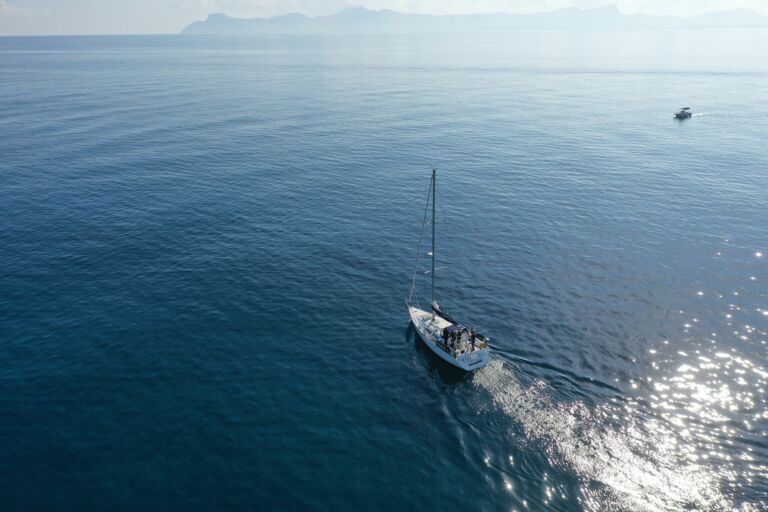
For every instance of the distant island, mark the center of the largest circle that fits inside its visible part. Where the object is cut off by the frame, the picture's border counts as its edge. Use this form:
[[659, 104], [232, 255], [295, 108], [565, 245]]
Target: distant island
[[362, 20]]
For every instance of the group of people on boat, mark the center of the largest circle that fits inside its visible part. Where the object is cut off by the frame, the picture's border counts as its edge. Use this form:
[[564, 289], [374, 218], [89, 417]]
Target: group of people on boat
[[454, 335]]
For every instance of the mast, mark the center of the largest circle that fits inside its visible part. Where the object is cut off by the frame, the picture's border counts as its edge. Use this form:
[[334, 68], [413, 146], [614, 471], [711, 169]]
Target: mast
[[434, 189]]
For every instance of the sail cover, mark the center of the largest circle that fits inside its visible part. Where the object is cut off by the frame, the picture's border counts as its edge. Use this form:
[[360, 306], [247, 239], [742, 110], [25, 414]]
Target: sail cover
[[444, 315]]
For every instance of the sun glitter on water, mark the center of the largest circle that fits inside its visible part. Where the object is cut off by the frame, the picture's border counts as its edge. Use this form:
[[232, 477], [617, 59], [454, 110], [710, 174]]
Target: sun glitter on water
[[689, 435]]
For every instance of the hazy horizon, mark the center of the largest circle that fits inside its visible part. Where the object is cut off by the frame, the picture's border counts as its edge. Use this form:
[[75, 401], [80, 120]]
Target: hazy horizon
[[109, 17]]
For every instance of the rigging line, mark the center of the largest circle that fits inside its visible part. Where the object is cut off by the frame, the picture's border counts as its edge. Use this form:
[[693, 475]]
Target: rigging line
[[421, 240], [448, 287]]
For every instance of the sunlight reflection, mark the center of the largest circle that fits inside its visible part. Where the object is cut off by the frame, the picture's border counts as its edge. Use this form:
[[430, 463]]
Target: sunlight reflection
[[689, 436]]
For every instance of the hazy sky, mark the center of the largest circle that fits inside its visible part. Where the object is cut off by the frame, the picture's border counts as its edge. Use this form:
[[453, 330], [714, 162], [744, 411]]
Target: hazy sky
[[170, 16]]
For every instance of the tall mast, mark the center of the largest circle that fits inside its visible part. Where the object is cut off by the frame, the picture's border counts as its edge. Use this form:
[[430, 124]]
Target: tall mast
[[434, 189]]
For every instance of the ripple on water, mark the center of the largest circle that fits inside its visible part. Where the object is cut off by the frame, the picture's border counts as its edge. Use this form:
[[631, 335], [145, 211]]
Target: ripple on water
[[689, 434], [633, 470]]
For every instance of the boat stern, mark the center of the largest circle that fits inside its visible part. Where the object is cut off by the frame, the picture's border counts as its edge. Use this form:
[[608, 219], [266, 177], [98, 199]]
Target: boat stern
[[473, 359]]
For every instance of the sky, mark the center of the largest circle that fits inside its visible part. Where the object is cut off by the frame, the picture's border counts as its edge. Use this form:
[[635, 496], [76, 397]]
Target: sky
[[41, 17]]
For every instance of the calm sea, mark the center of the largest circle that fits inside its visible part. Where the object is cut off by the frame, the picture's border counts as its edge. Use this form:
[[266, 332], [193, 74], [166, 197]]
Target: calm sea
[[206, 244]]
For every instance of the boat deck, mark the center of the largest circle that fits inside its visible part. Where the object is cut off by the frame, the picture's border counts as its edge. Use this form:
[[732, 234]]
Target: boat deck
[[434, 325]]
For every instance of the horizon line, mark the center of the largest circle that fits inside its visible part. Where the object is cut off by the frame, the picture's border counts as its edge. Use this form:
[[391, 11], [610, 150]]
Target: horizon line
[[611, 6]]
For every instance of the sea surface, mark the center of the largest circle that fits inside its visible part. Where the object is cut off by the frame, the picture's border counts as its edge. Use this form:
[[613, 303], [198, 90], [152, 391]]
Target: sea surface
[[206, 244]]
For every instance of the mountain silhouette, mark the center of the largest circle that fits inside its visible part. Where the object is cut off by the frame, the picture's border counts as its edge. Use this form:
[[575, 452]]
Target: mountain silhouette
[[362, 20]]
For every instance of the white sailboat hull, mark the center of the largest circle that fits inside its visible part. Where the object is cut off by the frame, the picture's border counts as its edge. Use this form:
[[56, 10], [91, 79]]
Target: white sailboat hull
[[430, 327]]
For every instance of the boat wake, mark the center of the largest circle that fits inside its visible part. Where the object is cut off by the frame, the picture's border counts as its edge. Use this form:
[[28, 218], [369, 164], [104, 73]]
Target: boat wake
[[635, 468]]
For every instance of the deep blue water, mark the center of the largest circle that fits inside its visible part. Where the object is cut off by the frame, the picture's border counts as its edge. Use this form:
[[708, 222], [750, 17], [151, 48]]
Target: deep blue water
[[206, 246]]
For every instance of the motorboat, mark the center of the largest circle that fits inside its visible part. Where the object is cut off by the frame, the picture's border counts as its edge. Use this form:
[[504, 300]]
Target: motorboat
[[684, 113], [444, 335]]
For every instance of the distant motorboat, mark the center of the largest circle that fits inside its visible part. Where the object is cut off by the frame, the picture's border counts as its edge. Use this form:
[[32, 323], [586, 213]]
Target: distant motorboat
[[684, 113]]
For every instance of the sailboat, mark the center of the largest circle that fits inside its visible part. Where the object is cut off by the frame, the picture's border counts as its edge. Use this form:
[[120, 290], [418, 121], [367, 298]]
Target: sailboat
[[449, 339]]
